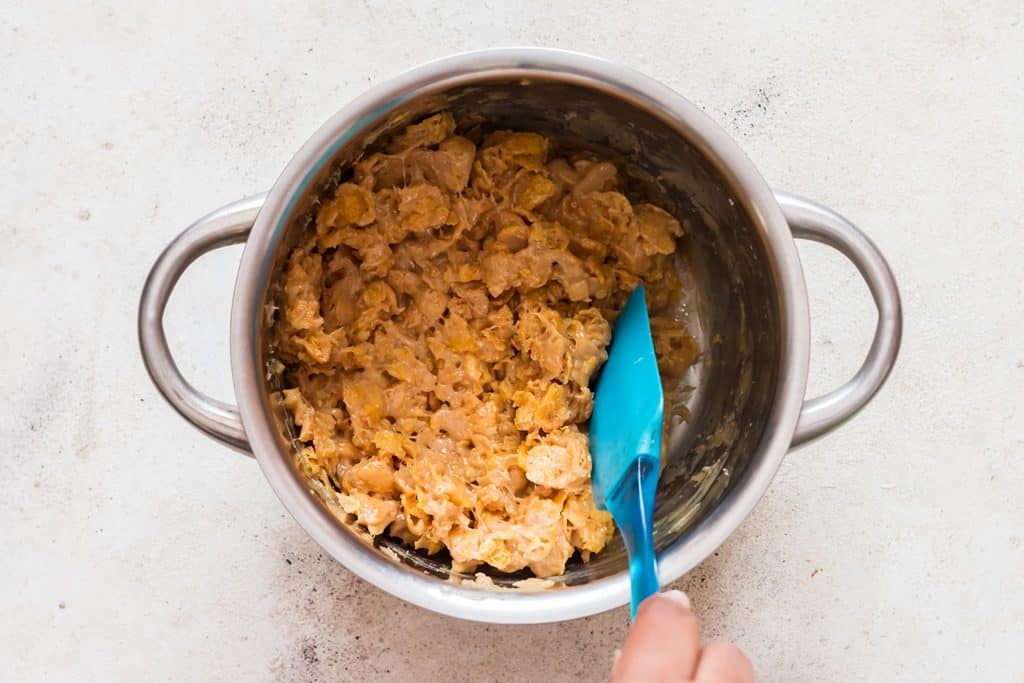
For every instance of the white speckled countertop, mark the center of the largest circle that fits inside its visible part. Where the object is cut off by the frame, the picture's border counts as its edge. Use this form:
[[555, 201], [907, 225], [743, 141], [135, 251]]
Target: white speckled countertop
[[134, 548]]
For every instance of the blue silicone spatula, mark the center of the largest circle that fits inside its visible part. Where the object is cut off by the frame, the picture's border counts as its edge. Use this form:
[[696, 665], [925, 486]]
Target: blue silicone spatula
[[625, 440]]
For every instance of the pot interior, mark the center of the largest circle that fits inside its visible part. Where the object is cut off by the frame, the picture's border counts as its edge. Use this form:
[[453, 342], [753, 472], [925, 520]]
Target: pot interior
[[730, 305]]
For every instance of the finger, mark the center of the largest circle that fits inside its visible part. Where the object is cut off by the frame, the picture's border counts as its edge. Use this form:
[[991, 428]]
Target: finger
[[723, 663], [663, 643]]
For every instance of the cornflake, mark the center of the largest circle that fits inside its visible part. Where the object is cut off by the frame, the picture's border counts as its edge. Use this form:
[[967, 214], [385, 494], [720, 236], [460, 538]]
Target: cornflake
[[439, 328]]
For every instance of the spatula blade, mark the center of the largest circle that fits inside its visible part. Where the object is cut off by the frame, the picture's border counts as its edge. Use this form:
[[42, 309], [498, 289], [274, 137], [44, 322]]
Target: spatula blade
[[628, 400]]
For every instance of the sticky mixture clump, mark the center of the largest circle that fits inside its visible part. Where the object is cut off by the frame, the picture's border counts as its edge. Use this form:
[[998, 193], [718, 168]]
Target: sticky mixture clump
[[439, 328]]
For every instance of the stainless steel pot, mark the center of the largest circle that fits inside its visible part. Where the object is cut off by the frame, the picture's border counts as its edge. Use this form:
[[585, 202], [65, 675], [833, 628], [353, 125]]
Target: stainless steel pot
[[744, 399]]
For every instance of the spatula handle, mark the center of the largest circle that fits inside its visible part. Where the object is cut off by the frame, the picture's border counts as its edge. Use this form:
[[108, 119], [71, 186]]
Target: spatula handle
[[643, 571], [632, 507]]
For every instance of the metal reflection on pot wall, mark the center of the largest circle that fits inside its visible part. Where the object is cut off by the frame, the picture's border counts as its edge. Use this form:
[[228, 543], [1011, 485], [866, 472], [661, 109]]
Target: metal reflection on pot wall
[[744, 400]]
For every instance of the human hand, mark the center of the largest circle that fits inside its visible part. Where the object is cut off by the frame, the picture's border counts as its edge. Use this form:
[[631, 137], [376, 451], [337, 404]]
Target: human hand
[[663, 645]]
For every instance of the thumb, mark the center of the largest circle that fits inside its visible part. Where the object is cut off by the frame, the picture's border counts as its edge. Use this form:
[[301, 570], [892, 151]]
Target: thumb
[[663, 644]]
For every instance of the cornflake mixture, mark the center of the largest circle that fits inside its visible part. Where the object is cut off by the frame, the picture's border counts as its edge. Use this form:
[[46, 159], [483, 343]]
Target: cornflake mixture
[[439, 331]]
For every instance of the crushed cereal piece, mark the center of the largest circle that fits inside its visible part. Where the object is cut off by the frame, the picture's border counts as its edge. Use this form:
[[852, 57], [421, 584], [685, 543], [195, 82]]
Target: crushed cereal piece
[[439, 330]]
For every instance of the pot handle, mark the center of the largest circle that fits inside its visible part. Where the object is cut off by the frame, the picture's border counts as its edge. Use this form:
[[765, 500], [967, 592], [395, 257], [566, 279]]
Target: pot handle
[[227, 225], [811, 221]]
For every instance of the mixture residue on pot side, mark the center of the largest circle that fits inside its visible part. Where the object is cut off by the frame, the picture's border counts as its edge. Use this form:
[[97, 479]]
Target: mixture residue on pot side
[[439, 329]]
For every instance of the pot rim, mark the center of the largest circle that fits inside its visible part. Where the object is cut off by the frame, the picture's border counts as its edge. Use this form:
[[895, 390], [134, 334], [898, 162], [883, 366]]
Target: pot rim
[[500, 606]]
